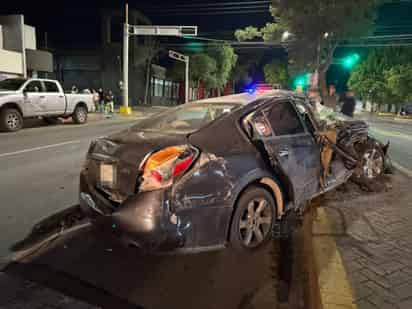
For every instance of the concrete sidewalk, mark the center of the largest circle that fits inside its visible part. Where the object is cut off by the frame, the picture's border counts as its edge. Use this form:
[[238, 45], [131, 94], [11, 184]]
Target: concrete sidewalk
[[20, 294], [363, 247]]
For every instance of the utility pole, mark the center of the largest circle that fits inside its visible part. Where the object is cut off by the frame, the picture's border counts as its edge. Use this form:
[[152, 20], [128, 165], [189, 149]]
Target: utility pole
[[179, 57], [125, 108], [132, 30]]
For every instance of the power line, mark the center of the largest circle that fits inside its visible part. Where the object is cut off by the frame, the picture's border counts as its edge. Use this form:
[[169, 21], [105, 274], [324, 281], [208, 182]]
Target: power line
[[197, 13], [190, 10], [215, 4]]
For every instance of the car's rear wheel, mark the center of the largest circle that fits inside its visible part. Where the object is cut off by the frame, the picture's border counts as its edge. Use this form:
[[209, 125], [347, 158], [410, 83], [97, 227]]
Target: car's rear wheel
[[10, 120], [253, 220], [80, 115]]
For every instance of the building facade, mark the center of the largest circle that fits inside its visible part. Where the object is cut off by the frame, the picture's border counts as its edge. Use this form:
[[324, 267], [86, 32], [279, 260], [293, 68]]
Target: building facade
[[19, 56]]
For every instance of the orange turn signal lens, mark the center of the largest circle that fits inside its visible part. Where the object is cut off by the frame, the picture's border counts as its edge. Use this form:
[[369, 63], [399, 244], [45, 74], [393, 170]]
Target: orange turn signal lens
[[162, 157]]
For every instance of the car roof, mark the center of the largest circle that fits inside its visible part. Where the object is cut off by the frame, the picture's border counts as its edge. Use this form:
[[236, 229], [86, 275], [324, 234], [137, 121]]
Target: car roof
[[247, 98]]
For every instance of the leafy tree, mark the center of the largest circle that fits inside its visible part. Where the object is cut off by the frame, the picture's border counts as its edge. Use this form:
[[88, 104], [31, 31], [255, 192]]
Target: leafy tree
[[314, 28], [212, 67], [203, 68], [383, 76], [399, 80], [226, 60], [276, 72], [249, 33]]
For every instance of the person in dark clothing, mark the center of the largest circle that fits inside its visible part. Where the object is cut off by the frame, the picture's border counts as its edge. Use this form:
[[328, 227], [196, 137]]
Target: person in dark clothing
[[101, 100], [109, 109], [349, 104]]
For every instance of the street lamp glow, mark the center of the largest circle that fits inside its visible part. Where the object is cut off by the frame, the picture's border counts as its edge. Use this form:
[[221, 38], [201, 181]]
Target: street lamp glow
[[286, 35]]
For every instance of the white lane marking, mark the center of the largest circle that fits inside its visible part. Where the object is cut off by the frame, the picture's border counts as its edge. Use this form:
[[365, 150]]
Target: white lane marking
[[7, 154]]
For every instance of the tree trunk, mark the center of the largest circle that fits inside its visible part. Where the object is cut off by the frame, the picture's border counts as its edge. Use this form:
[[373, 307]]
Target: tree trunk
[[322, 84], [147, 88]]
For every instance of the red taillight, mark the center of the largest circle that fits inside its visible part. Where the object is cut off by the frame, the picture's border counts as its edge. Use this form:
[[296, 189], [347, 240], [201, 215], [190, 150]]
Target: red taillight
[[160, 168], [181, 166], [157, 176]]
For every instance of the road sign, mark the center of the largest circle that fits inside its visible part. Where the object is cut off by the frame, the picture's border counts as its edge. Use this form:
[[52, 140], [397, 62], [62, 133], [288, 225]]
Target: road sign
[[177, 56], [163, 30]]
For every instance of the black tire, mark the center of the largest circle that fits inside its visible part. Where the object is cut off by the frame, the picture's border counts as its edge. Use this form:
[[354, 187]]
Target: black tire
[[80, 114], [372, 164], [252, 229], [10, 120], [51, 120]]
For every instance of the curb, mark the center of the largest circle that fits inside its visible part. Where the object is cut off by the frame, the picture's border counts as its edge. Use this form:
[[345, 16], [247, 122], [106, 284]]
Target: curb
[[328, 284]]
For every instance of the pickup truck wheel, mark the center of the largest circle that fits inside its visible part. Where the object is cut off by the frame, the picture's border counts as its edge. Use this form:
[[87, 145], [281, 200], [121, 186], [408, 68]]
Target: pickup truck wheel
[[254, 219], [80, 115], [10, 120]]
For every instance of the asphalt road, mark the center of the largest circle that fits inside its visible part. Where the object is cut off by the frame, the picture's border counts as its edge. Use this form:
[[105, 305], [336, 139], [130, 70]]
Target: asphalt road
[[95, 269], [400, 136], [39, 169]]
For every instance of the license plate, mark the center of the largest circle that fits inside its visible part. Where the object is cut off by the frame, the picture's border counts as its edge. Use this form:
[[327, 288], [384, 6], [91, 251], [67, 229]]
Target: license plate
[[107, 175]]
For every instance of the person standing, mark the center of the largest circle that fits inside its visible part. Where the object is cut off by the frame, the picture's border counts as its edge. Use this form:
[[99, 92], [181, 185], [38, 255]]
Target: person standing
[[101, 100], [349, 104], [96, 99], [109, 109]]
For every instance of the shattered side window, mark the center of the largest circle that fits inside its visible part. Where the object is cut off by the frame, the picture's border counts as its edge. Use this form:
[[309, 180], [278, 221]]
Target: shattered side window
[[284, 120]]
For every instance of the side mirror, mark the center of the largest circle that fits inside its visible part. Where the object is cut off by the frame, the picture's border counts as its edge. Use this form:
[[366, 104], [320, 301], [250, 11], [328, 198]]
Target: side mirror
[[25, 92]]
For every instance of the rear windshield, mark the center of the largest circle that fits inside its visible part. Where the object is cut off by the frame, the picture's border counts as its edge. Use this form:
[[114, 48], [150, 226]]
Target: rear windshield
[[186, 118], [11, 84]]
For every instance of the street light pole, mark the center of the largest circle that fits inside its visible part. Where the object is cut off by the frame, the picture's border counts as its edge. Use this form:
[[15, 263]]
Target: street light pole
[[187, 80], [148, 30], [180, 57], [125, 108]]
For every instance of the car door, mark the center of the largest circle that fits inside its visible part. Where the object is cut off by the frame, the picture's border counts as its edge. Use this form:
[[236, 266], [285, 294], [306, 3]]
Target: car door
[[292, 148], [55, 100], [33, 98]]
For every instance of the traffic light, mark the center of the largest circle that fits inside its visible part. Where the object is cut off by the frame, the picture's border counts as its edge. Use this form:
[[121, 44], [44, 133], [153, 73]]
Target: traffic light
[[350, 61], [301, 81]]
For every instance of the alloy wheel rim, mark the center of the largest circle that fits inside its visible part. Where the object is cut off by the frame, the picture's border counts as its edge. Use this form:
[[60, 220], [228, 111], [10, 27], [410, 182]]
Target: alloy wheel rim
[[255, 222], [13, 121], [372, 163], [81, 115]]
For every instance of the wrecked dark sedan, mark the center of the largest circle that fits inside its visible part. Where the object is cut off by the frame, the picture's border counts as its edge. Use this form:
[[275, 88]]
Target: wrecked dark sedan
[[221, 172]]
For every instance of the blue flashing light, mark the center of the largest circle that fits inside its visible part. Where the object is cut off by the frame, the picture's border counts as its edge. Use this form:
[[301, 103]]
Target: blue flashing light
[[251, 89]]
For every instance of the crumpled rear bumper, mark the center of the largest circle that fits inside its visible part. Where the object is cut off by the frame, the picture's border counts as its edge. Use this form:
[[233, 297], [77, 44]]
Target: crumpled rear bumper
[[143, 220]]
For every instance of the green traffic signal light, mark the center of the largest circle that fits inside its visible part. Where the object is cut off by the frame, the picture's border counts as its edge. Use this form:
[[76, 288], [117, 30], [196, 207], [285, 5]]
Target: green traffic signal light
[[302, 80], [350, 60]]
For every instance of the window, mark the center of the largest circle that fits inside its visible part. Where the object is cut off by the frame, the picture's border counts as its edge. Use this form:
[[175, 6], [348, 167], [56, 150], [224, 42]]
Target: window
[[186, 118], [158, 88], [51, 87], [12, 84], [284, 119], [34, 86]]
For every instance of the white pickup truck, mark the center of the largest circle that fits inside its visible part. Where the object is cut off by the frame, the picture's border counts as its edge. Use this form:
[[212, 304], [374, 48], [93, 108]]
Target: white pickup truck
[[28, 98]]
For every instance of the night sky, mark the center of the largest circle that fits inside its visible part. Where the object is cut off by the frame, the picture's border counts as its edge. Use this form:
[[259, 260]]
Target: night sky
[[77, 23]]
